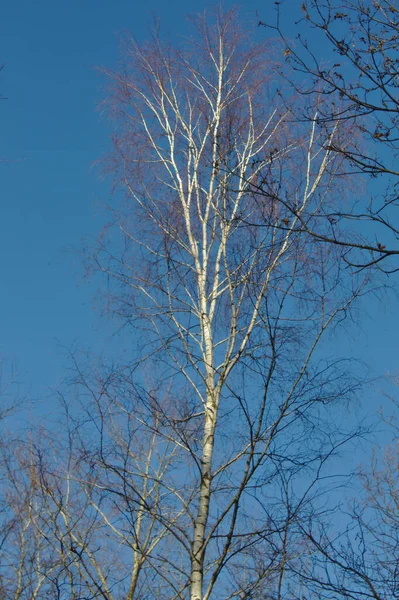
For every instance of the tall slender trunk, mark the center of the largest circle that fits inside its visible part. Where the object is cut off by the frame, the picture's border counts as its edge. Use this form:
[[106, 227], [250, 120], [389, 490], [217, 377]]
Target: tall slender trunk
[[198, 545], [211, 408]]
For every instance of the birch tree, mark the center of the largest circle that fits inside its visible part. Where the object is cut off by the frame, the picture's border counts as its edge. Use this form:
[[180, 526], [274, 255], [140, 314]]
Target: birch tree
[[229, 302]]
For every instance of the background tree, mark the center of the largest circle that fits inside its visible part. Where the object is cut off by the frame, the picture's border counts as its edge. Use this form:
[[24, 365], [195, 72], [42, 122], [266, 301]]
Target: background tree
[[359, 560], [28, 566], [357, 84]]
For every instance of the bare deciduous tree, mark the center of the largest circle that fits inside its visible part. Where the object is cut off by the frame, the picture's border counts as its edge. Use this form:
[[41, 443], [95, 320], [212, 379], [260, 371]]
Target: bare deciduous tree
[[358, 84], [354, 550], [186, 472], [27, 562], [231, 298]]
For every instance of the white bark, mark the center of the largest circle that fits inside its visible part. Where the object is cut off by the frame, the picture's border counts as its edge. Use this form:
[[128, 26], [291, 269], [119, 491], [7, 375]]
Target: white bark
[[221, 191], [210, 179]]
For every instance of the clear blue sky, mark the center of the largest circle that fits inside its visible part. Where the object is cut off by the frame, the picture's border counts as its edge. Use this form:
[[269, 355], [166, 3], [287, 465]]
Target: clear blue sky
[[51, 198]]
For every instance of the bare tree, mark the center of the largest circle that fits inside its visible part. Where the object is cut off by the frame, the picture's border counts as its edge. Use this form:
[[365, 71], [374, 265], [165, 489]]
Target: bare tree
[[230, 299], [355, 80], [354, 550], [27, 563], [193, 469], [187, 472]]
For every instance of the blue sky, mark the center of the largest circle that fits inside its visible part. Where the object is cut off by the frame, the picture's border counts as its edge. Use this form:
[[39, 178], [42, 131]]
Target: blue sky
[[51, 197]]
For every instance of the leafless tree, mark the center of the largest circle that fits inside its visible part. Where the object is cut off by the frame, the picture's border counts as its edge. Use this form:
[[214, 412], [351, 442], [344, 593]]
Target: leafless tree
[[186, 471], [354, 551], [27, 564], [79, 512], [354, 80], [230, 298]]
